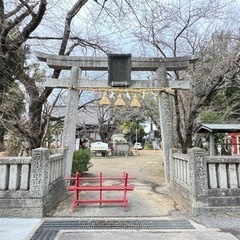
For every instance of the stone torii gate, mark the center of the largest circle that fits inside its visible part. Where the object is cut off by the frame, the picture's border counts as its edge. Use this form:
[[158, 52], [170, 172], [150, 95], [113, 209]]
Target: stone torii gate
[[77, 83]]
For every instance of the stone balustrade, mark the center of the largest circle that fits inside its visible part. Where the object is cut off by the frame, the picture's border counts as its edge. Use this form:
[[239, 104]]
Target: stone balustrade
[[14, 173], [224, 172], [56, 167], [180, 171], [31, 186], [203, 183]]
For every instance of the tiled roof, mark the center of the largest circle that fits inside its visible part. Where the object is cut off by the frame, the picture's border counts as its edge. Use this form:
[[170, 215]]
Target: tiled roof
[[86, 116], [218, 128]]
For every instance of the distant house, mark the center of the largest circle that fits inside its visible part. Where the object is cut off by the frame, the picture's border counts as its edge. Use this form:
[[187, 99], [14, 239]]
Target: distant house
[[152, 134], [93, 123]]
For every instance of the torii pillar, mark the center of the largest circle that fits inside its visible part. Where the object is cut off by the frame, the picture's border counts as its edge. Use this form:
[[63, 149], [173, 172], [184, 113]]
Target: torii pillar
[[165, 112], [69, 126]]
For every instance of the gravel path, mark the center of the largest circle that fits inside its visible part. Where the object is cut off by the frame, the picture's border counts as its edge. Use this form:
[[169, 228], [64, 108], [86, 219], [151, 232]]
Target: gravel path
[[227, 221]]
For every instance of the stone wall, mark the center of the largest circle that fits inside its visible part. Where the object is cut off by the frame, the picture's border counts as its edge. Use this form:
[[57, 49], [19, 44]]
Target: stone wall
[[31, 187], [201, 183]]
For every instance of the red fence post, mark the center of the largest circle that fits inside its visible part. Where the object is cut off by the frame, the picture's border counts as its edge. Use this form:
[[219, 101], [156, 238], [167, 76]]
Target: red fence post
[[76, 191], [125, 190], [100, 189]]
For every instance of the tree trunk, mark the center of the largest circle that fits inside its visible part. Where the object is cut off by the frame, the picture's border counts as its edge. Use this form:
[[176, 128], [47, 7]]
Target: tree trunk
[[2, 144]]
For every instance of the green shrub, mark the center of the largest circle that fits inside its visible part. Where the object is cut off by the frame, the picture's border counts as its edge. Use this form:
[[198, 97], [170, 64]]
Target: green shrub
[[81, 161], [148, 145]]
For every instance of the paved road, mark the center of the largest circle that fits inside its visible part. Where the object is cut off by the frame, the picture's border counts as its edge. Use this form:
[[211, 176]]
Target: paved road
[[138, 235], [24, 229]]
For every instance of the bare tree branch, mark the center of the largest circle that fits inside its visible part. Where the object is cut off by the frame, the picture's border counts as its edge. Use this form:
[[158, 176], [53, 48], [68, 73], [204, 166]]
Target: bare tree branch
[[70, 15], [31, 26]]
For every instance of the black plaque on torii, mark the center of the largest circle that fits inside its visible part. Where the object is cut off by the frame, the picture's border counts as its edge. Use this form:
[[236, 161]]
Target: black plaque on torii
[[119, 70]]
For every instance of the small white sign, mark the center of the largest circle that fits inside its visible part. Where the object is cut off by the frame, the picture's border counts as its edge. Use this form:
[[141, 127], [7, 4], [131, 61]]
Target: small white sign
[[77, 143], [99, 146]]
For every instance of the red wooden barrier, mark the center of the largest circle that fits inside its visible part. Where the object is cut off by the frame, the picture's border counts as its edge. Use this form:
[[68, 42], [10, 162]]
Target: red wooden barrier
[[78, 188]]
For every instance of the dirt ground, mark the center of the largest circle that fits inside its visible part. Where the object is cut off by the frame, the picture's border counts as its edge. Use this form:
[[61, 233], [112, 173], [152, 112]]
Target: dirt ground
[[150, 197], [147, 166]]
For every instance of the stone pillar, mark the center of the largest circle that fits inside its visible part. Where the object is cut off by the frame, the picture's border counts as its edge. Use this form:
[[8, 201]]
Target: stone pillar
[[165, 112], [198, 173], [211, 145], [172, 169], [70, 121], [39, 178], [14, 177], [3, 177]]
